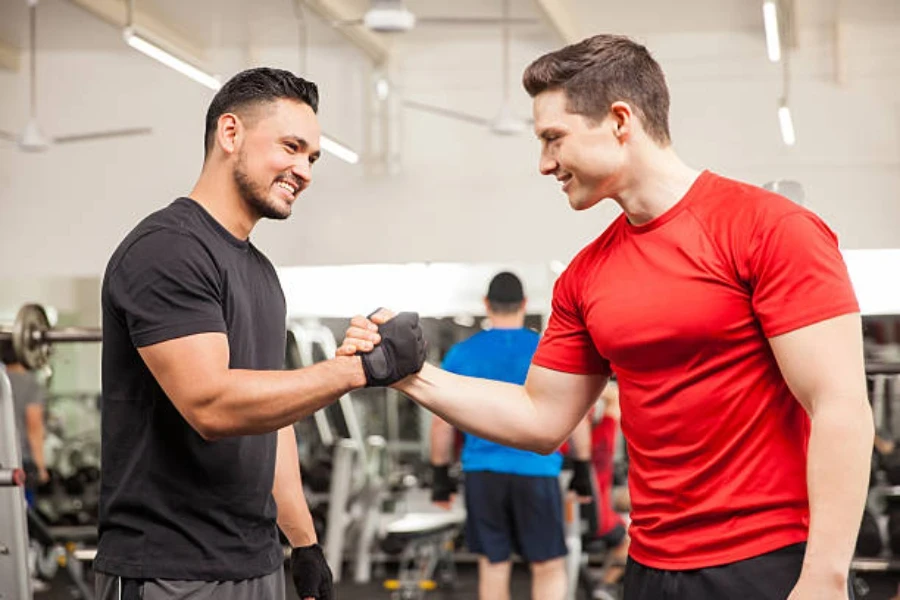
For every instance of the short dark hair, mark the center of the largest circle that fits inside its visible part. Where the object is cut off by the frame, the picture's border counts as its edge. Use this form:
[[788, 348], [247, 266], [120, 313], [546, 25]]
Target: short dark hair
[[253, 87], [505, 293], [601, 70]]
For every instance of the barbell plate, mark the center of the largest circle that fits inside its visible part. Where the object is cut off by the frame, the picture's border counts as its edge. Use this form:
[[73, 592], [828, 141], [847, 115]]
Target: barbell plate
[[29, 343]]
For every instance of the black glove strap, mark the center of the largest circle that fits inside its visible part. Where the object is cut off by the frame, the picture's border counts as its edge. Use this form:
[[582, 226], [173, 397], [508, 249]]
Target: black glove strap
[[582, 483], [442, 485]]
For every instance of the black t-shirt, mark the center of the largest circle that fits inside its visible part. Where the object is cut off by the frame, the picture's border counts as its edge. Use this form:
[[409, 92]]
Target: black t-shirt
[[172, 505]]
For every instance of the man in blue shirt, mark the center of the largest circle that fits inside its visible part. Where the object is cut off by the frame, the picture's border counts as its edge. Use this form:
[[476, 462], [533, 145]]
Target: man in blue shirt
[[513, 499]]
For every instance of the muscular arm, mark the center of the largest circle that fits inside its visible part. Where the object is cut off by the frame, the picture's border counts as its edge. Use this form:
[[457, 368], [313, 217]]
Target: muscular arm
[[293, 513], [34, 429], [537, 416], [218, 401], [442, 438], [823, 366], [581, 439]]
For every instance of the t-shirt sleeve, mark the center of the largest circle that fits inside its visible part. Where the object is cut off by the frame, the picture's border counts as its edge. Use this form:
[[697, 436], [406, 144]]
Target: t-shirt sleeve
[[567, 344], [38, 395], [452, 360], [797, 275], [167, 286]]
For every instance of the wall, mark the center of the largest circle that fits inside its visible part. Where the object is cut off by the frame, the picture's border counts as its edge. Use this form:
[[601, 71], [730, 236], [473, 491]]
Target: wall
[[461, 194]]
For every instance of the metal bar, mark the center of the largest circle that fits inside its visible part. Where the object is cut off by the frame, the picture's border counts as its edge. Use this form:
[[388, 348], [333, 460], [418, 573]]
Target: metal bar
[[882, 368], [61, 336], [14, 581], [72, 334], [346, 453], [12, 477]]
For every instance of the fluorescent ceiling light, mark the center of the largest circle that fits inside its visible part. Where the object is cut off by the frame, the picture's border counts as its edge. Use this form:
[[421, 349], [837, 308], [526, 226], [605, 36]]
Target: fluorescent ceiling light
[[770, 18], [141, 44], [787, 125], [339, 150]]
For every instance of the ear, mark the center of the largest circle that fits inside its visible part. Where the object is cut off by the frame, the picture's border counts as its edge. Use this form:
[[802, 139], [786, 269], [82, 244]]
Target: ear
[[622, 119], [228, 131], [487, 305]]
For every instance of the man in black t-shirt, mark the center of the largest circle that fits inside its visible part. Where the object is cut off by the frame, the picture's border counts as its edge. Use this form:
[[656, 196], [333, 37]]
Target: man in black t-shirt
[[199, 458]]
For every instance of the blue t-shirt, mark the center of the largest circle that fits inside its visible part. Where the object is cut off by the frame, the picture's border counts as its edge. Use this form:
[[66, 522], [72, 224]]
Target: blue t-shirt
[[501, 355]]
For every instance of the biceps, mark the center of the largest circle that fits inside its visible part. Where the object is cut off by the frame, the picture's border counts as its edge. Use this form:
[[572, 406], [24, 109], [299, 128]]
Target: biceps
[[823, 361], [34, 416], [564, 397], [190, 370]]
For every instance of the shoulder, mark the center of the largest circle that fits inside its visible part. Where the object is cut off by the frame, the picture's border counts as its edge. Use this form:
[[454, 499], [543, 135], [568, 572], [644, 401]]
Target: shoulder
[[729, 205], [168, 235]]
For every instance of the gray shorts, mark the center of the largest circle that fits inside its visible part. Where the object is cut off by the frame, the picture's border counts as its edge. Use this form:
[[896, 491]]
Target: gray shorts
[[111, 587]]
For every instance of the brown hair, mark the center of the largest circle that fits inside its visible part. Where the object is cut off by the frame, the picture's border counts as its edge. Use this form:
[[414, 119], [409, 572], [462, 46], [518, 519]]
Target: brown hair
[[601, 70]]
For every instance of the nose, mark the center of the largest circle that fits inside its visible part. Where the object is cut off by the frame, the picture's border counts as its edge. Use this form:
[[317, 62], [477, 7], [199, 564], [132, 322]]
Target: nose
[[302, 170], [547, 164]]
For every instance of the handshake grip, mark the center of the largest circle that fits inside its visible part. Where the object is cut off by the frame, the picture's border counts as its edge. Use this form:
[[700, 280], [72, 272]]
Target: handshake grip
[[400, 353]]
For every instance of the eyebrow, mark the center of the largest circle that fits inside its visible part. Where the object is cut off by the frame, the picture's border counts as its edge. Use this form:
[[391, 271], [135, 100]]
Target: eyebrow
[[544, 133], [304, 145]]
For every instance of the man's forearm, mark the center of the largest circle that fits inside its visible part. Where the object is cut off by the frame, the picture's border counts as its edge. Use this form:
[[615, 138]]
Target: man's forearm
[[252, 402], [36, 443], [294, 517], [442, 436], [839, 455], [581, 440], [494, 410]]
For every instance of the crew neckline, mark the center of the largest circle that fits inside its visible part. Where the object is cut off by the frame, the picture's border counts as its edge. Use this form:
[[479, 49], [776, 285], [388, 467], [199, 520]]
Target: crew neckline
[[221, 229], [675, 210]]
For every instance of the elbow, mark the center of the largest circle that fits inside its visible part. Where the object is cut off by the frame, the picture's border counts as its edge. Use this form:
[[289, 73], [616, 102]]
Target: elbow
[[207, 428], [547, 444], [207, 421]]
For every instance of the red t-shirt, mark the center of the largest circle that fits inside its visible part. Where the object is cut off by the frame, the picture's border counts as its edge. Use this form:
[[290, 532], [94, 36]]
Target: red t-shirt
[[681, 309]]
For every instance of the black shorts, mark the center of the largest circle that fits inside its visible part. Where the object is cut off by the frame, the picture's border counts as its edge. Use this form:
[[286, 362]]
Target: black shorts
[[769, 576], [508, 513]]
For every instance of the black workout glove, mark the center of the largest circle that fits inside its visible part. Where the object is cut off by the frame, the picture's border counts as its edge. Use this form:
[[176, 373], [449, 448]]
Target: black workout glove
[[582, 483], [400, 353], [311, 574], [442, 485]]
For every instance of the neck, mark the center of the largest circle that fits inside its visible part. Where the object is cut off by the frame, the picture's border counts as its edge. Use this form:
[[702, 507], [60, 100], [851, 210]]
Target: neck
[[511, 321], [657, 181], [217, 192], [15, 368]]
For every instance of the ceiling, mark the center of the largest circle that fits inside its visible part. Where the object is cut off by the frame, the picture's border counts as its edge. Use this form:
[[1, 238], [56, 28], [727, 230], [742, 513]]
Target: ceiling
[[63, 25]]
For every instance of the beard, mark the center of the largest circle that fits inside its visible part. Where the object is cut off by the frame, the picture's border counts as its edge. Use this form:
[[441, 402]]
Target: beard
[[256, 196]]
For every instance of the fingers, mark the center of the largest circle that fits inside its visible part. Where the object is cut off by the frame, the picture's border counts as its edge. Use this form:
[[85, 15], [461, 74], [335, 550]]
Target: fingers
[[347, 349], [361, 336], [363, 323], [382, 316], [443, 505]]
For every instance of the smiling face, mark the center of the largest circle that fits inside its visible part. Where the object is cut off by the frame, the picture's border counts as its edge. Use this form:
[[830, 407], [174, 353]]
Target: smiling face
[[273, 162], [587, 157]]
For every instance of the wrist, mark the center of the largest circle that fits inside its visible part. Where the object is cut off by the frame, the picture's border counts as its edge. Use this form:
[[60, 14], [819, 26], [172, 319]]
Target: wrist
[[834, 577], [355, 367]]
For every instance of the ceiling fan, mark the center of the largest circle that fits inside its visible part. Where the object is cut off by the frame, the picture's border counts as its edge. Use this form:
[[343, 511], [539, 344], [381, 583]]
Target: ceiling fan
[[505, 122], [392, 16], [31, 139]]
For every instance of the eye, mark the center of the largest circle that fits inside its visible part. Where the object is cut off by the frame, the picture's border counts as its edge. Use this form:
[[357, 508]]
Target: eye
[[291, 147], [313, 159]]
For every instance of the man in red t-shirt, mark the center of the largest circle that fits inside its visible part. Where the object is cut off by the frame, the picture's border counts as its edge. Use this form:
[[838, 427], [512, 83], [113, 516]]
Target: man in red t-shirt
[[728, 316]]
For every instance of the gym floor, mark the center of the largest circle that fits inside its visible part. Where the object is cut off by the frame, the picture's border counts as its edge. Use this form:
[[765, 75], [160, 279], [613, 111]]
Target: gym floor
[[882, 586]]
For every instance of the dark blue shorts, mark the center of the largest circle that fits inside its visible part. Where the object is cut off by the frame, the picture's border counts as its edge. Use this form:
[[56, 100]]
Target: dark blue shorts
[[514, 513]]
